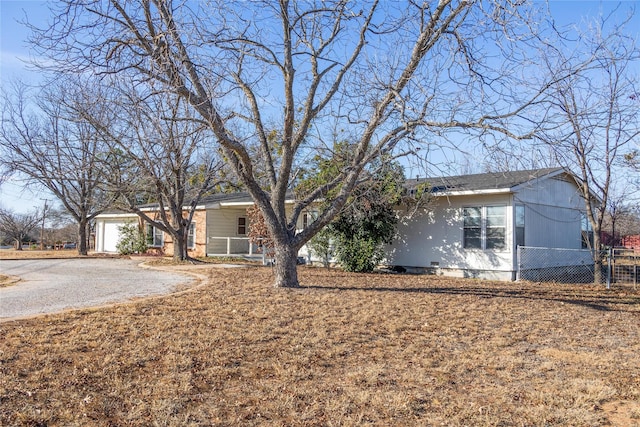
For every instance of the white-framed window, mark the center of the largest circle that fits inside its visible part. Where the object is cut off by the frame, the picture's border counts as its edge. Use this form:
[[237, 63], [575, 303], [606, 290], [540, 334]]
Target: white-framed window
[[472, 236], [191, 236], [519, 225], [155, 237], [242, 226], [484, 227]]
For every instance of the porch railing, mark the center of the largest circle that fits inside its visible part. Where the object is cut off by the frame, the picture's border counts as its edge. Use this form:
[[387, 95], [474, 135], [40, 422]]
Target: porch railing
[[230, 246]]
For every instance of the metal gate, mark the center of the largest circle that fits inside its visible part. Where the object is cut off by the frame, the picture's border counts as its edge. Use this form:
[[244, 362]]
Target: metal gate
[[623, 266]]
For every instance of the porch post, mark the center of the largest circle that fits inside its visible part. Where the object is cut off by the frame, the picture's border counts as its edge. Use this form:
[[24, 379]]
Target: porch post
[[228, 245]]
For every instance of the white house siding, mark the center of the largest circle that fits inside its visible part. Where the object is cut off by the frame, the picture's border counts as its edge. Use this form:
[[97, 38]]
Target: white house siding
[[223, 222], [434, 241], [552, 214], [551, 227]]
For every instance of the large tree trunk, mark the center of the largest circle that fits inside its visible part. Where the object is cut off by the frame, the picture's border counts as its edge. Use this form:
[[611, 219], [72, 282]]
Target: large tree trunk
[[286, 268], [82, 237], [179, 247], [597, 259]]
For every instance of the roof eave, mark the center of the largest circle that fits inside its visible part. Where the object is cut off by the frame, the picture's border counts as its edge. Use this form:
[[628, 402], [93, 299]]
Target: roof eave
[[246, 204], [116, 215], [473, 192]]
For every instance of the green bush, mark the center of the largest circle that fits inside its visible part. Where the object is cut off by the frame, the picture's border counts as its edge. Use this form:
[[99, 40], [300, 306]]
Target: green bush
[[132, 240], [359, 254]]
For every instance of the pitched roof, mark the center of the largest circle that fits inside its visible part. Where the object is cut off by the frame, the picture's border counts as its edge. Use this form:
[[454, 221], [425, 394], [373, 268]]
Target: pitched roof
[[449, 185], [494, 181], [240, 197]]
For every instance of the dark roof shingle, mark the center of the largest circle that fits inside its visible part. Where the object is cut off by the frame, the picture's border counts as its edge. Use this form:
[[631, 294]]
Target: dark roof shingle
[[481, 181]]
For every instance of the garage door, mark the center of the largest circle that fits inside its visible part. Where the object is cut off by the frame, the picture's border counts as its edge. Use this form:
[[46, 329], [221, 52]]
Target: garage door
[[111, 235]]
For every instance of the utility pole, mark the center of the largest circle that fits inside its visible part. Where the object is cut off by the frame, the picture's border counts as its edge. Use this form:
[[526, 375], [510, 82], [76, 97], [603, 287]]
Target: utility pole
[[44, 215]]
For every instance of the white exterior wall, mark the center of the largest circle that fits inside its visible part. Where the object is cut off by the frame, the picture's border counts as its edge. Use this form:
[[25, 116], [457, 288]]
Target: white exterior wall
[[552, 214], [434, 240], [223, 222]]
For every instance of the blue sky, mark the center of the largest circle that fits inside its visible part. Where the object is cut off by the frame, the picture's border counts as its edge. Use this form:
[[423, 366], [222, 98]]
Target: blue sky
[[14, 50]]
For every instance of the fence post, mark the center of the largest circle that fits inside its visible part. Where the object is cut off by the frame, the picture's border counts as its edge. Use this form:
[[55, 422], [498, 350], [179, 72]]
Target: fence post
[[518, 265], [609, 268], [635, 272]]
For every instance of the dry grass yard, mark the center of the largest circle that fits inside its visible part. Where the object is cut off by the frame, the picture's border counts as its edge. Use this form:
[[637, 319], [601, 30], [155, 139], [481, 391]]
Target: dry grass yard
[[345, 350], [36, 253]]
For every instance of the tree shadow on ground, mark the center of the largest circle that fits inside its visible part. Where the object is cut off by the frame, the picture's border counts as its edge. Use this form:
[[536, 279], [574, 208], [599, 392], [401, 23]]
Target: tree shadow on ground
[[599, 300]]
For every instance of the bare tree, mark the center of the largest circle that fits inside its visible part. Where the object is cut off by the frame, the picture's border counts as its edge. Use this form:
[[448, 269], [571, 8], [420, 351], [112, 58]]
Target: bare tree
[[621, 218], [18, 227], [593, 119], [161, 157], [375, 72], [40, 139], [632, 157], [60, 228]]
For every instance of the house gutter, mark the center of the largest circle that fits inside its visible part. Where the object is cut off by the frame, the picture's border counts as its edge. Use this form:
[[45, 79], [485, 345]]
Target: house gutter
[[247, 204], [113, 215], [473, 192]]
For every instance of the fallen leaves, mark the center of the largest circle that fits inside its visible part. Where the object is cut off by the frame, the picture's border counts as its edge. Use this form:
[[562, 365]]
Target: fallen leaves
[[345, 349]]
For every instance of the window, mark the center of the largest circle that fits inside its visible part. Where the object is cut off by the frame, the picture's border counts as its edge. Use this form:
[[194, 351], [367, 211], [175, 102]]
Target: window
[[308, 218], [155, 237], [473, 228], [496, 228], [191, 236], [242, 226], [519, 225], [484, 227], [586, 232]]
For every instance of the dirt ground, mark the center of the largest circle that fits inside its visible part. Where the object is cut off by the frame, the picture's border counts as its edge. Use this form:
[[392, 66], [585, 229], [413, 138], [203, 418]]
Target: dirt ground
[[343, 350]]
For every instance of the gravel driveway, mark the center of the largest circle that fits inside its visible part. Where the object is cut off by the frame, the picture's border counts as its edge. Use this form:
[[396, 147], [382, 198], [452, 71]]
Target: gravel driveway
[[52, 285]]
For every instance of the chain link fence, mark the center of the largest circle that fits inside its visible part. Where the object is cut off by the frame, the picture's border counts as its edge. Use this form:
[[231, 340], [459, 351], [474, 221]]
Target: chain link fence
[[555, 265], [619, 266]]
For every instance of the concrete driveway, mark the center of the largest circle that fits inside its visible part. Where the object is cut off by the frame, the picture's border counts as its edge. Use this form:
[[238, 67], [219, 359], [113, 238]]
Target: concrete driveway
[[53, 285]]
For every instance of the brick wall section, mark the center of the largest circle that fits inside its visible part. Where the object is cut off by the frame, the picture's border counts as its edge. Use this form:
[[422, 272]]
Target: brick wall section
[[200, 218]]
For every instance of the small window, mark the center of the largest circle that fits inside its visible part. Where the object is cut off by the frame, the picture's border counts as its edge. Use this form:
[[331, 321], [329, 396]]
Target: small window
[[191, 236], [586, 232], [155, 237], [519, 222], [242, 226], [305, 220]]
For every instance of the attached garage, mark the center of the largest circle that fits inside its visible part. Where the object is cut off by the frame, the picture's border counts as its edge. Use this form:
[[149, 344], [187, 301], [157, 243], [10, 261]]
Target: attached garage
[[108, 230]]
